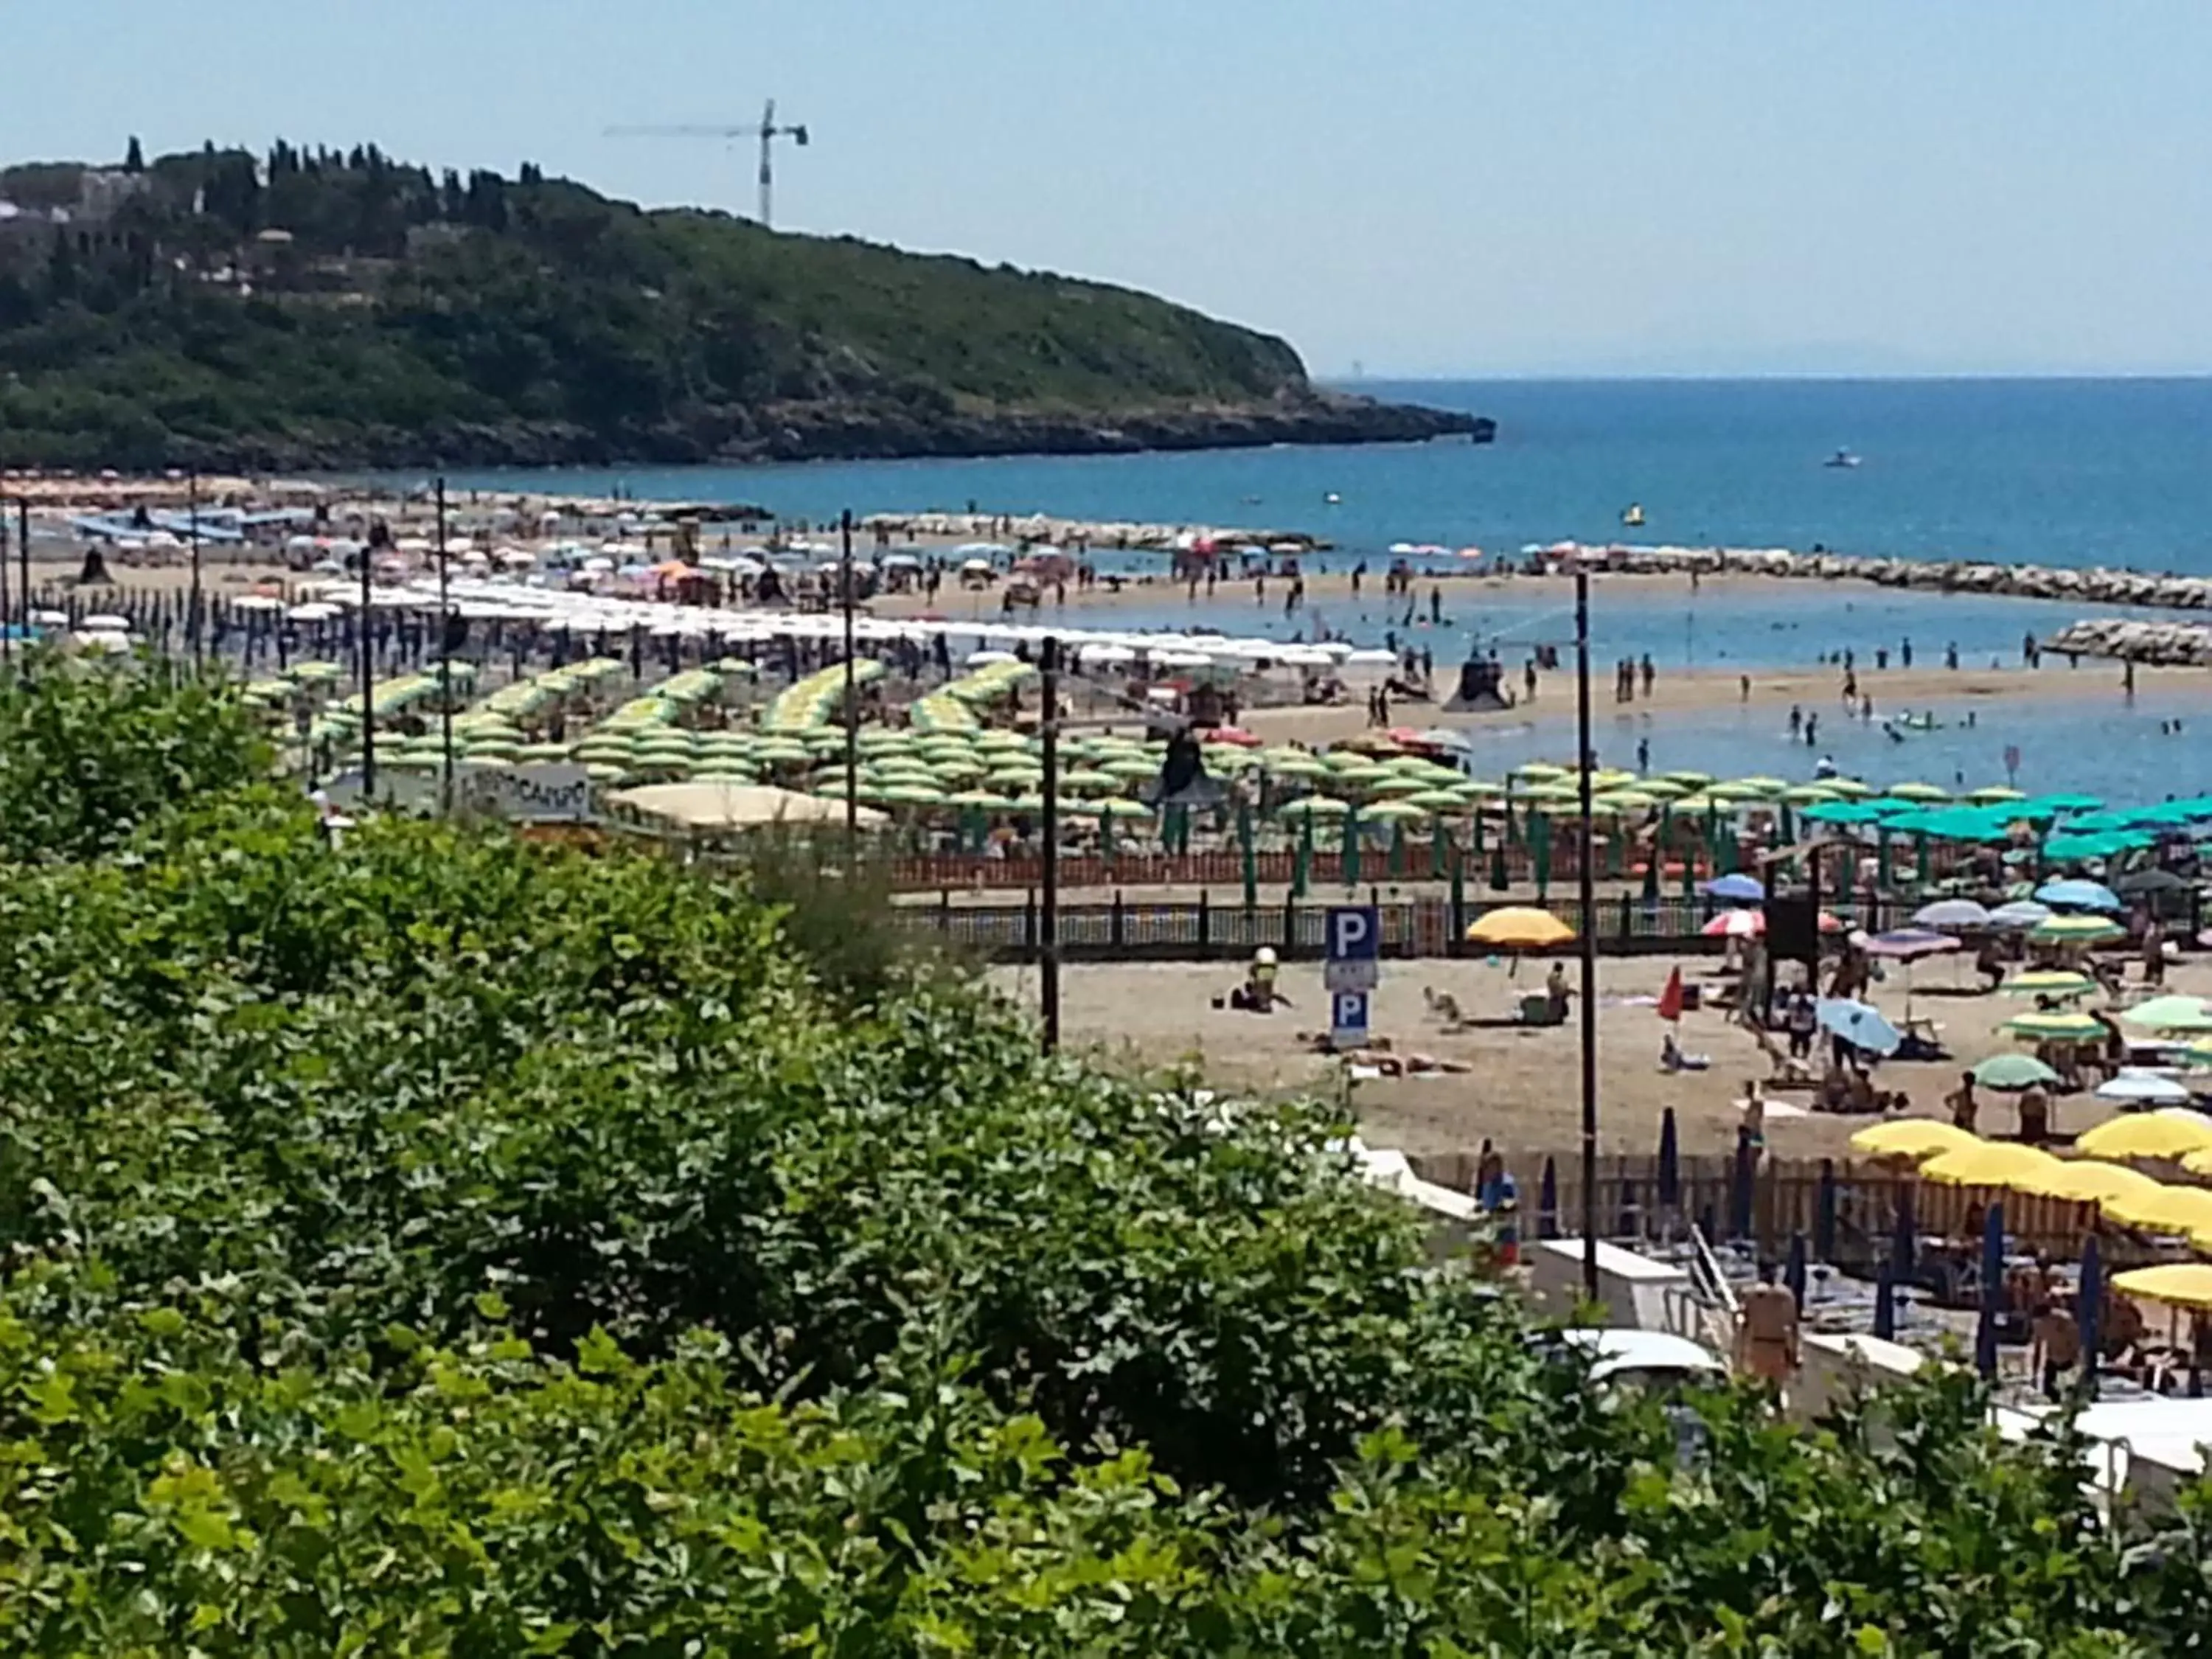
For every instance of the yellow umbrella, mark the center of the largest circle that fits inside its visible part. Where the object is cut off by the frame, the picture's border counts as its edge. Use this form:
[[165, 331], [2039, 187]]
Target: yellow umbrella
[[1914, 1138], [1990, 1163], [2183, 1284], [2165, 1209], [1519, 927], [2085, 1180], [2147, 1134]]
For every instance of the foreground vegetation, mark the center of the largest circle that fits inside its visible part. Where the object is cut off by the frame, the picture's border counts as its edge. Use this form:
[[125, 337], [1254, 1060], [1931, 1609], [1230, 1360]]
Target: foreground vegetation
[[447, 1244], [319, 307]]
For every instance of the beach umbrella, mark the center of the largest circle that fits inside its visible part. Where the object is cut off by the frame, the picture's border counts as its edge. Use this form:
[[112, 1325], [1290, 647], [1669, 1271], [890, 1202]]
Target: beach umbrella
[[1956, 913], [2077, 894], [1909, 945], [2172, 1210], [1737, 889], [1670, 1163], [1912, 1136], [2069, 849], [1624, 800], [1756, 788], [1395, 784], [2149, 884], [2089, 1309], [2163, 1132], [1809, 794], [1736, 923], [1844, 812], [1994, 794], [1688, 780], [1985, 1322], [1445, 803], [1992, 1163], [1519, 927], [2075, 930], [2011, 1073], [2133, 1087], [2170, 1013], [1314, 806], [1917, 792], [2057, 1027], [2059, 983], [1858, 1023], [1393, 811], [2018, 915], [2070, 803], [2082, 1181]]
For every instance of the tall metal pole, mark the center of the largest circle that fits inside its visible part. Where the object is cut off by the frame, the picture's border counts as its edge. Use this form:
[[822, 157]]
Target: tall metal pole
[[852, 705], [7, 649], [1049, 910], [193, 499], [23, 554], [367, 683], [445, 671], [1586, 884]]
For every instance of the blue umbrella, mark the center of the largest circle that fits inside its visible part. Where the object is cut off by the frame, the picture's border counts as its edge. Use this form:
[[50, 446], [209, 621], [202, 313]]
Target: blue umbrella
[[1859, 1024], [1884, 1305], [1737, 889], [2078, 895], [1547, 1201], [2090, 1308], [1670, 1163], [1985, 1326], [1824, 1213], [1793, 1274]]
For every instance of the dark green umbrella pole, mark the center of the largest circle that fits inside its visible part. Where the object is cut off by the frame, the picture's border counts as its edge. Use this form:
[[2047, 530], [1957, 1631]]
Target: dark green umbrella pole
[[1439, 844], [1540, 853], [1251, 859], [1499, 878], [1301, 864], [1397, 851], [1352, 847]]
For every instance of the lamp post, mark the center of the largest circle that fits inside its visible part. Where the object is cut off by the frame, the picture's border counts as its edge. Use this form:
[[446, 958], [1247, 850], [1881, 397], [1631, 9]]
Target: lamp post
[[193, 532], [367, 685], [852, 696], [1586, 888], [1049, 910], [444, 670]]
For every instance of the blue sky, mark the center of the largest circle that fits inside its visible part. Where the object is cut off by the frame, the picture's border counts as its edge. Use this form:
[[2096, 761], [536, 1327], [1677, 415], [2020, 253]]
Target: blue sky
[[1477, 187]]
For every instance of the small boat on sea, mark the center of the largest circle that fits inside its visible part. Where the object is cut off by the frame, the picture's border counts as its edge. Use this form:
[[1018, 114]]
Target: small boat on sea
[[1842, 457]]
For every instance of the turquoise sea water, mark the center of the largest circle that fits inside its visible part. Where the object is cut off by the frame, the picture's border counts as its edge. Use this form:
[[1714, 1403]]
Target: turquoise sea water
[[2112, 472]]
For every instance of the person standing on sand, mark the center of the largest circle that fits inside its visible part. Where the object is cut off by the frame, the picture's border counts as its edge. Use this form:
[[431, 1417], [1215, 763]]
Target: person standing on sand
[[2055, 1347], [1743, 687], [1357, 571], [1643, 754], [1436, 603], [1650, 674], [1766, 1331], [1529, 677], [1951, 655], [1812, 730], [1905, 654]]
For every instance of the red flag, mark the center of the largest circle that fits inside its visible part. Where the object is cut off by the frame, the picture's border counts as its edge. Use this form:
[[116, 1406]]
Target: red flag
[[1670, 999]]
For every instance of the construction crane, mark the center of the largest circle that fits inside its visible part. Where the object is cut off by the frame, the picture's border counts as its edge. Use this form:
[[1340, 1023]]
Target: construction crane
[[766, 132]]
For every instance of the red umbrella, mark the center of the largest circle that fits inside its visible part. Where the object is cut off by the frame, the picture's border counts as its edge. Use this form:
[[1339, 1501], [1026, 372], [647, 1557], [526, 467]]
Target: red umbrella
[[1235, 734]]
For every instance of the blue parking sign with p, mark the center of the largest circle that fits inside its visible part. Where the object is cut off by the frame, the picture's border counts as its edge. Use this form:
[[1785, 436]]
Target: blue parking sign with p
[[1355, 933], [1347, 1018]]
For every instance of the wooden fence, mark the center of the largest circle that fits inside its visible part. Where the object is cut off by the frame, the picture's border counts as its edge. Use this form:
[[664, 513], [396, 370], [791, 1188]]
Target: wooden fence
[[1140, 930]]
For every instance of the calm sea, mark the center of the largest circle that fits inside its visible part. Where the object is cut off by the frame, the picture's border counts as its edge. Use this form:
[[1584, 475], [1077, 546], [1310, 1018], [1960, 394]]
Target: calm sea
[[2111, 472]]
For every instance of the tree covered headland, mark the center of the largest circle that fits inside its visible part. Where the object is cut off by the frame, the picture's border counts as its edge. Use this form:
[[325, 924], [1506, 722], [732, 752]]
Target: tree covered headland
[[316, 305], [450, 1244]]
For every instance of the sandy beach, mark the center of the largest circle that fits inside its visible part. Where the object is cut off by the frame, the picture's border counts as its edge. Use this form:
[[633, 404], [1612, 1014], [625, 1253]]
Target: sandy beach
[[1522, 1089]]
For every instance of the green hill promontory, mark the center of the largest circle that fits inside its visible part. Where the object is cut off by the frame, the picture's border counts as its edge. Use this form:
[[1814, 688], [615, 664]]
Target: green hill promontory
[[315, 308]]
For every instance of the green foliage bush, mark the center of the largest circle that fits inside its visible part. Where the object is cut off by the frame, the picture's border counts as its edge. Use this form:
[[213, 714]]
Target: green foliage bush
[[450, 1244], [404, 315]]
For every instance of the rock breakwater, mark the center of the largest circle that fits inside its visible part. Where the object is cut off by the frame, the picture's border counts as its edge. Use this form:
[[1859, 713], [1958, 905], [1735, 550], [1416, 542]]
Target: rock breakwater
[[2095, 584], [2170, 644]]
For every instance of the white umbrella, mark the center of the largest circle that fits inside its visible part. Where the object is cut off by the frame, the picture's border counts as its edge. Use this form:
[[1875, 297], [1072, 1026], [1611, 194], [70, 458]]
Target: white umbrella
[[986, 658], [1373, 657], [2137, 1087]]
